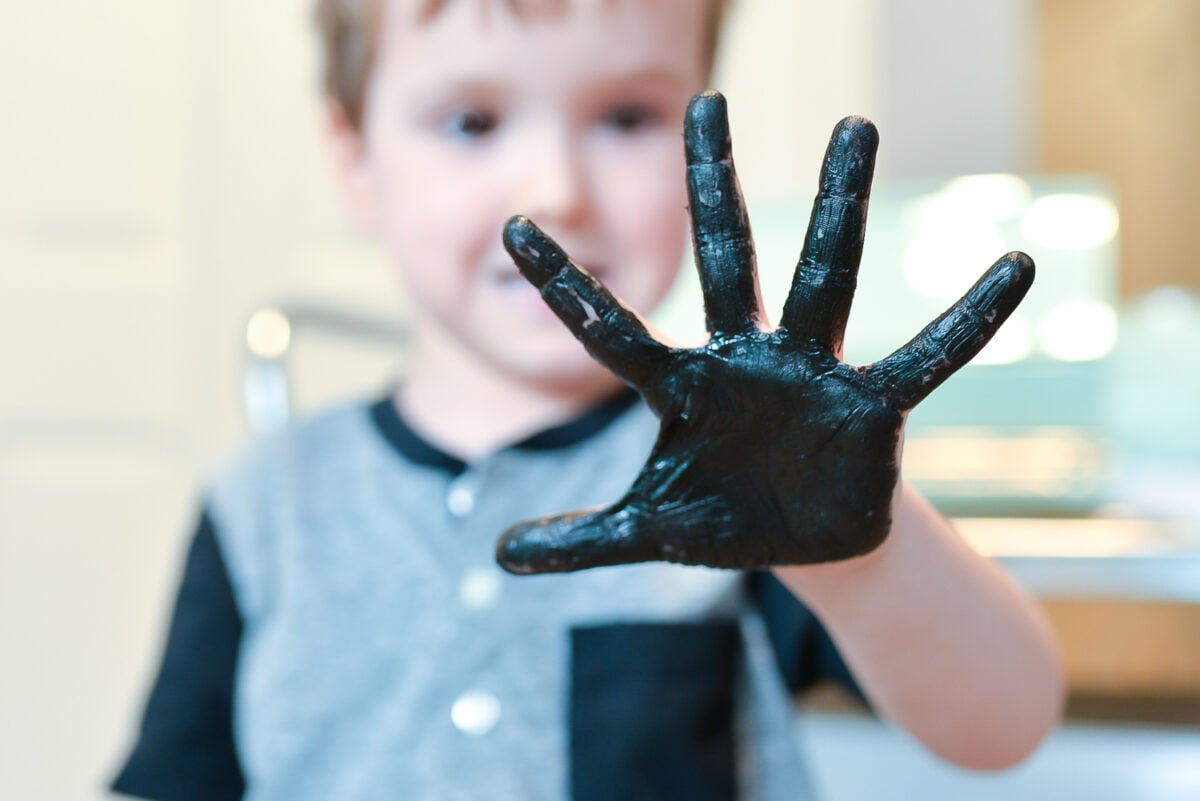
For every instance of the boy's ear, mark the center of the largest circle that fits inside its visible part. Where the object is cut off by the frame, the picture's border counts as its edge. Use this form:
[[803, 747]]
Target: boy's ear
[[348, 153]]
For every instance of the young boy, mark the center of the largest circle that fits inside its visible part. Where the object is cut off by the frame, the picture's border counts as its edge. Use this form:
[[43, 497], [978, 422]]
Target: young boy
[[342, 631]]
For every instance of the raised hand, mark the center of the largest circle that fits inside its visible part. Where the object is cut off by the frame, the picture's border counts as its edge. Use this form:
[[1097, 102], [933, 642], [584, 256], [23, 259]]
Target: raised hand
[[771, 449]]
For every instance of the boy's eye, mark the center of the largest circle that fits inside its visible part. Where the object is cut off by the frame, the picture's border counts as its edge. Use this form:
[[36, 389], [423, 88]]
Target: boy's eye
[[631, 118], [472, 123]]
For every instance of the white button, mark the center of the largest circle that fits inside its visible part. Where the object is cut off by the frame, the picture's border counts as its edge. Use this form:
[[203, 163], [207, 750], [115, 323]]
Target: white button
[[480, 587], [476, 712], [460, 498]]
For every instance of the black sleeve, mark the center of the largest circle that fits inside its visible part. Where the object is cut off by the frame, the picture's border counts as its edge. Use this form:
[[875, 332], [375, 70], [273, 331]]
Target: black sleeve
[[185, 748], [803, 648]]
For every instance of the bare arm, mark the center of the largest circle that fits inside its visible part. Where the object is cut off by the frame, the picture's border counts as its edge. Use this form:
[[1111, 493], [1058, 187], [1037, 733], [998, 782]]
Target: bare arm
[[941, 639]]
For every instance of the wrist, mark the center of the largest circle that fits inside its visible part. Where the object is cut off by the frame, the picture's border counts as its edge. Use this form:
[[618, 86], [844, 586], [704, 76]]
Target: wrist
[[817, 584]]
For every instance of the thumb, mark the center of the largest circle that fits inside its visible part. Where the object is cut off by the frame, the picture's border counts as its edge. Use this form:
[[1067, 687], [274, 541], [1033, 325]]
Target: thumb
[[573, 541]]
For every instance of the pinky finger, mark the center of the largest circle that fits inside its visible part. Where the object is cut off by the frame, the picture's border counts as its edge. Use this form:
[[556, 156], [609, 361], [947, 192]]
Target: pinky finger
[[907, 376]]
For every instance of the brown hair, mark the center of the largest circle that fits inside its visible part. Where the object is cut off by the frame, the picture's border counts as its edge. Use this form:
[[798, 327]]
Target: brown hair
[[349, 37]]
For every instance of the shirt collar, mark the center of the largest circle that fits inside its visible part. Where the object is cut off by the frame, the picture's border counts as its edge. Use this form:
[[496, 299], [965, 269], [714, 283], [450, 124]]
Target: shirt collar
[[413, 447]]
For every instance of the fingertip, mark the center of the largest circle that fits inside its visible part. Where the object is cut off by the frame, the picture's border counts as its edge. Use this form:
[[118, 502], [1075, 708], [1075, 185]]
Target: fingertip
[[706, 128], [535, 254], [1006, 283], [511, 553], [534, 546], [1022, 265], [858, 130], [518, 232], [850, 160]]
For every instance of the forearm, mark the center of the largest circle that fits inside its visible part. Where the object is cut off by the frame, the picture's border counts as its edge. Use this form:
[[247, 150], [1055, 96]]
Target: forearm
[[941, 640]]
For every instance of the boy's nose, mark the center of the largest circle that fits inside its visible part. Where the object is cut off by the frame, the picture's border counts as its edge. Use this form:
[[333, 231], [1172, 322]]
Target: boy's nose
[[553, 183]]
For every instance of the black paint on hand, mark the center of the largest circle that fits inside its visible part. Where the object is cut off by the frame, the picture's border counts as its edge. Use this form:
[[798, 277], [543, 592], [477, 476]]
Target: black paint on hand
[[771, 449]]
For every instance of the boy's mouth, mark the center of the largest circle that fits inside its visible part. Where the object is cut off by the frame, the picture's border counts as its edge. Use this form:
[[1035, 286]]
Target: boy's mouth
[[511, 279], [523, 298]]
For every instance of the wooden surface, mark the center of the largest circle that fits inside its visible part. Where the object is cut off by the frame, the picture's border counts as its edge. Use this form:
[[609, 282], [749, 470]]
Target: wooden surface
[[1118, 93], [1129, 649]]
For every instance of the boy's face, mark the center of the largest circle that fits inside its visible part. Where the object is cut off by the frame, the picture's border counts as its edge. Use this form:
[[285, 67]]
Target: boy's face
[[571, 118]]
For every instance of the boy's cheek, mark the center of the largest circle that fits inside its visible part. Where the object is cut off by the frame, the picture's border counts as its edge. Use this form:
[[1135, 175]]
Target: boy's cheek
[[645, 196], [427, 212]]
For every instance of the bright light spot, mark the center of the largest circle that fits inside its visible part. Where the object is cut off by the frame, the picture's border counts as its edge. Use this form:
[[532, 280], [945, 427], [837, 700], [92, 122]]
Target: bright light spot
[[480, 588], [1167, 310], [1055, 536], [476, 712], [1170, 767], [1070, 222], [995, 197], [945, 256], [1012, 343], [1078, 331], [268, 334]]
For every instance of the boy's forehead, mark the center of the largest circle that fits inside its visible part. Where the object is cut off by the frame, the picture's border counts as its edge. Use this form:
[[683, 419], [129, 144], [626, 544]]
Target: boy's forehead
[[602, 33], [491, 14], [425, 10]]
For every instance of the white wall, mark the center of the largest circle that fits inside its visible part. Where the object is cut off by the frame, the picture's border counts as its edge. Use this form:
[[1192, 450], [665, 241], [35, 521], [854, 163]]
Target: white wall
[[955, 87], [948, 83], [791, 70]]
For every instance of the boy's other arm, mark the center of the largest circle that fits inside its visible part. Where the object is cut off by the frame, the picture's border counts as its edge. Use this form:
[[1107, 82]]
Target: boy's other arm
[[185, 747], [940, 639]]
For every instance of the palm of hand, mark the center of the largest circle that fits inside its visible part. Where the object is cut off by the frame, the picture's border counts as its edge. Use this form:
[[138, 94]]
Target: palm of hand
[[771, 450], [720, 485]]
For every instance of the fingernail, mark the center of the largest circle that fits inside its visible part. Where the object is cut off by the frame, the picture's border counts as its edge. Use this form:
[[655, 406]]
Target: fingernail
[[706, 129], [530, 249], [850, 161]]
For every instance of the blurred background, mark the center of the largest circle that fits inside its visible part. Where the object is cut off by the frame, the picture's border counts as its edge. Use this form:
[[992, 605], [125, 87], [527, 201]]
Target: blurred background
[[175, 276]]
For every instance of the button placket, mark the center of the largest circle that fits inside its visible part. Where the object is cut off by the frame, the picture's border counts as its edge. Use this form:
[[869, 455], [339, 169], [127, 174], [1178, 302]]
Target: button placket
[[481, 582]]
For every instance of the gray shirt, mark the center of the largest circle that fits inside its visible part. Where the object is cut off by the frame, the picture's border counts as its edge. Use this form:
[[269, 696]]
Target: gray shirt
[[383, 655]]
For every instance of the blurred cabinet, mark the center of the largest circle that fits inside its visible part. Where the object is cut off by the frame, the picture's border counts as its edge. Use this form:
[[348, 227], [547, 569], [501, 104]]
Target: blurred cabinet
[[1130, 650], [1118, 93]]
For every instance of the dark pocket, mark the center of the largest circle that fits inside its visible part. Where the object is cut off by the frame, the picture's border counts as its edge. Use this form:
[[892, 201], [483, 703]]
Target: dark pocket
[[652, 712]]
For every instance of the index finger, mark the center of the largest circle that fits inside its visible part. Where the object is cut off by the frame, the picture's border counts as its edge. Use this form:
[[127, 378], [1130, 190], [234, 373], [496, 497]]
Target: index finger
[[612, 333]]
